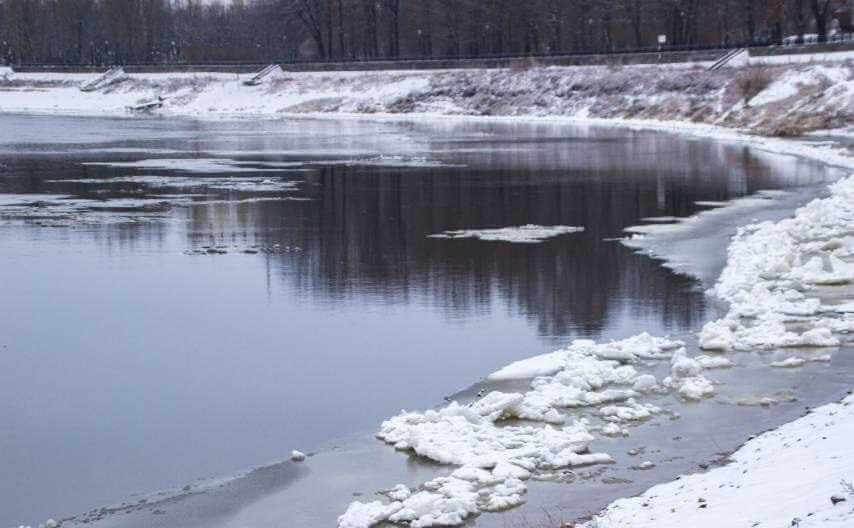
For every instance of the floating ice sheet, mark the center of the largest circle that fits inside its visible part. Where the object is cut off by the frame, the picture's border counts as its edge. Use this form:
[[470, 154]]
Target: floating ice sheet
[[266, 184], [526, 234], [199, 165]]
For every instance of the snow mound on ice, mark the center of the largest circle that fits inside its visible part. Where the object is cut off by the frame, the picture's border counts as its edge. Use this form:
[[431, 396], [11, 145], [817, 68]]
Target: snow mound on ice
[[494, 461], [526, 234], [494, 458], [773, 267], [641, 346], [686, 377]]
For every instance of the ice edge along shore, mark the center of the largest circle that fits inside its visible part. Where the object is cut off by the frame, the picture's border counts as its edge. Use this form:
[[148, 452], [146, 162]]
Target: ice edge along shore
[[771, 281], [775, 276]]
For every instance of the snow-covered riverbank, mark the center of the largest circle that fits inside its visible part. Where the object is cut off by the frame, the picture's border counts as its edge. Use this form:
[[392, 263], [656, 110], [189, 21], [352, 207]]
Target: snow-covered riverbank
[[772, 100], [798, 475]]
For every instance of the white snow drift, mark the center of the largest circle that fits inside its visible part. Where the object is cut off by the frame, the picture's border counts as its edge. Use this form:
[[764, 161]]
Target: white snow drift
[[773, 275], [495, 457]]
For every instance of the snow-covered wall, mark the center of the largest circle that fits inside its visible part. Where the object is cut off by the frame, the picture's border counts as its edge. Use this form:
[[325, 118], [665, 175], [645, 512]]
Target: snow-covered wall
[[781, 100]]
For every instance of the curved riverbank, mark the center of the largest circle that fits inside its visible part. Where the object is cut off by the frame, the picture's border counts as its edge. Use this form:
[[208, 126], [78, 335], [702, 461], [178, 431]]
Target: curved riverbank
[[774, 100], [622, 356]]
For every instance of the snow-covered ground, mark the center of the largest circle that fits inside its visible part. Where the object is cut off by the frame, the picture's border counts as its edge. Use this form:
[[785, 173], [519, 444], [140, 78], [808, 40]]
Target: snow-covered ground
[[791, 98], [799, 475]]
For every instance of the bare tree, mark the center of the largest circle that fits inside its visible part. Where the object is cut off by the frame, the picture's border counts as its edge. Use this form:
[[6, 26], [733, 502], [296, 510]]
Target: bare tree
[[821, 11]]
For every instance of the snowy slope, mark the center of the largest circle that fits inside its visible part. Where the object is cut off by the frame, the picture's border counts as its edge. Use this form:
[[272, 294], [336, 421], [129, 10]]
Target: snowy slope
[[787, 477], [797, 98]]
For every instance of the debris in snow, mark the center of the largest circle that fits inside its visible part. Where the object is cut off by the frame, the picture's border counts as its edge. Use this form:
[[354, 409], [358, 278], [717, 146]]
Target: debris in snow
[[271, 72], [147, 105], [526, 234]]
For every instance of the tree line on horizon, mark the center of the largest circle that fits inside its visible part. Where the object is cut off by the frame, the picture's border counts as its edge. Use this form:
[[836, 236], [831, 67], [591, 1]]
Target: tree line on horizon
[[105, 32]]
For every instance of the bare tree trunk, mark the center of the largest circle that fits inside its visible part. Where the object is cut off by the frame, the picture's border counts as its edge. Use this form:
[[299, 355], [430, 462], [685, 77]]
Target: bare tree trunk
[[635, 12], [341, 35], [820, 10], [309, 12], [393, 8], [799, 18], [371, 44]]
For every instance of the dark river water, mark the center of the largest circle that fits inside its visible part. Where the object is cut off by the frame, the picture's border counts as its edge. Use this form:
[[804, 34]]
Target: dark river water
[[187, 299]]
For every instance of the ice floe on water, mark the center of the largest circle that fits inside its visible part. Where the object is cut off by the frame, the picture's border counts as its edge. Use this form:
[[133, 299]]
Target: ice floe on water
[[526, 234], [503, 439], [199, 165], [235, 183], [66, 211], [391, 161]]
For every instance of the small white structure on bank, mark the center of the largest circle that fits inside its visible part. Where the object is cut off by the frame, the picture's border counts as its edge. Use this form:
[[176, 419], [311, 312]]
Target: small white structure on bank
[[273, 71], [112, 76]]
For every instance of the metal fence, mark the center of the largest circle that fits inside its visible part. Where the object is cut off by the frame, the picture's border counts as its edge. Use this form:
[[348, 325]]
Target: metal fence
[[667, 53]]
